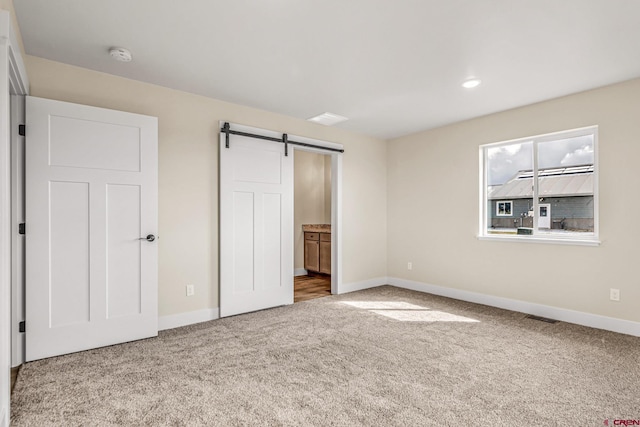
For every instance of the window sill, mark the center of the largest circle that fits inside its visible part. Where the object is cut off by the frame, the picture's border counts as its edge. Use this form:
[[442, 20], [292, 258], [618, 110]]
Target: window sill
[[543, 239]]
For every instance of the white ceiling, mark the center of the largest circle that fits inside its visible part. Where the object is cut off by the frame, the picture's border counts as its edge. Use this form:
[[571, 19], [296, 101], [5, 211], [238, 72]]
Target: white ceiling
[[392, 67]]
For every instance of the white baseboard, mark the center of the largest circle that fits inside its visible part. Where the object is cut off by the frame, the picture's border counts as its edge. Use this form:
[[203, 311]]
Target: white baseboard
[[300, 272], [188, 318], [570, 316], [365, 284]]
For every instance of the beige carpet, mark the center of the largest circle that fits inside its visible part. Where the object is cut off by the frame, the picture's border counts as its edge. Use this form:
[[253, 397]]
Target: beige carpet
[[381, 357]]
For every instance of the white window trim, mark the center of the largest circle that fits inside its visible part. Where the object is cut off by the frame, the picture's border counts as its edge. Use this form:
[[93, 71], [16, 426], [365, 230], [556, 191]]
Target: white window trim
[[560, 240], [504, 201], [587, 239]]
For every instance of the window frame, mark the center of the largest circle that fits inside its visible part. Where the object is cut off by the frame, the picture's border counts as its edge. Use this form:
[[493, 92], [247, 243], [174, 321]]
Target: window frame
[[538, 236], [510, 214]]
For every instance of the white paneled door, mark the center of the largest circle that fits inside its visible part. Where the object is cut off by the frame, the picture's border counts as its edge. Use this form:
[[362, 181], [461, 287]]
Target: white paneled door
[[91, 202], [256, 225], [544, 220]]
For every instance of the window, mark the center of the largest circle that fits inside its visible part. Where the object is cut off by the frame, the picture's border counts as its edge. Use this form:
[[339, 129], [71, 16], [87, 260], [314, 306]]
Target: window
[[541, 188], [503, 208]]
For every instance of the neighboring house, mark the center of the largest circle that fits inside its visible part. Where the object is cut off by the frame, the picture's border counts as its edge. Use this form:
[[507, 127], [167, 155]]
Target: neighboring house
[[566, 200]]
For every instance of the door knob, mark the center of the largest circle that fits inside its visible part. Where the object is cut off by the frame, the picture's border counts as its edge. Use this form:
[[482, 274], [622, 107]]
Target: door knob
[[149, 238]]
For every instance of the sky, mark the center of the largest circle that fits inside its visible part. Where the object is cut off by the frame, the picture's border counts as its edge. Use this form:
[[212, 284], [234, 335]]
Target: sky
[[506, 160]]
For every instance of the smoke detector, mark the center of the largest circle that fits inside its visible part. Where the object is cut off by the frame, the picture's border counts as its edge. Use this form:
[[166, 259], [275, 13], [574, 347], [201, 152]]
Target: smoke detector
[[120, 54]]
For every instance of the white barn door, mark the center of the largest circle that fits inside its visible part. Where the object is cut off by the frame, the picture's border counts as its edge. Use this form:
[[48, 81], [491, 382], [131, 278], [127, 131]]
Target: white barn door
[[256, 224], [91, 195]]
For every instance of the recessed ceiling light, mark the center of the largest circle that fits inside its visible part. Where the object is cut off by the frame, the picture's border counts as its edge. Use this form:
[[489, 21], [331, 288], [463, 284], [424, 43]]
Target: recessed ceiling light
[[120, 54], [328, 119], [471, 83]]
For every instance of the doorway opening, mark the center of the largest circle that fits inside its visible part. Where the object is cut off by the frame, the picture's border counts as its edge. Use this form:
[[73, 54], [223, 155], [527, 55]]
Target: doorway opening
[[312, 225], [311, 286]]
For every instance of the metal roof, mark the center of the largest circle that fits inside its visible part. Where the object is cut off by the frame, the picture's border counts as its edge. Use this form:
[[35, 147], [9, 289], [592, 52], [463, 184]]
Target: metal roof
[[553, 182]]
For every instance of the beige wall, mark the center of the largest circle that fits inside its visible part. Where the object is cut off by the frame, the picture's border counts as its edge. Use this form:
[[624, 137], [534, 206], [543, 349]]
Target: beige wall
[[433, 209], [188, 176], [8, 6], [421, 189], [310, 197]]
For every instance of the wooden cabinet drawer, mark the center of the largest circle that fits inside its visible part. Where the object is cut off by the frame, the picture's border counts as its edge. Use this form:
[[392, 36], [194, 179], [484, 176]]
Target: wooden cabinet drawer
[[325, 237], [312, 236]]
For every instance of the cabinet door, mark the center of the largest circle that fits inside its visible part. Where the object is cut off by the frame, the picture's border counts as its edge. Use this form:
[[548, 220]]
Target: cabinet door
[[325, 257], [311, 255]]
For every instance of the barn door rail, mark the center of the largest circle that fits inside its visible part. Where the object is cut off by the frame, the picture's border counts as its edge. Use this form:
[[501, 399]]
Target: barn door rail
[[226, 129]]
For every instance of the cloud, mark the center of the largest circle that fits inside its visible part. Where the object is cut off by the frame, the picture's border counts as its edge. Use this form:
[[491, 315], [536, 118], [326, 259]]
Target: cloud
[[566, 152], [580, 156], [505, 161]]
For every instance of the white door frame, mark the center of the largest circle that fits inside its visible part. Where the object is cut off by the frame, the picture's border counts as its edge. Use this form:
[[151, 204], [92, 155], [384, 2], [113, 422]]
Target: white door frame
[[336, 198], [13, 81], [17, 240]]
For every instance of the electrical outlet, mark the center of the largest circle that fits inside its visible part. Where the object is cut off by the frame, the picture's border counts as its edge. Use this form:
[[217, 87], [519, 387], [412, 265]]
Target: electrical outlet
[[190, 290], [614, 294], [409, 265]]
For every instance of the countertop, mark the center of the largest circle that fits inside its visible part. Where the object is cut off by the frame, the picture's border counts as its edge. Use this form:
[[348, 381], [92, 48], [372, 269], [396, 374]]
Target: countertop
[[317, 228]]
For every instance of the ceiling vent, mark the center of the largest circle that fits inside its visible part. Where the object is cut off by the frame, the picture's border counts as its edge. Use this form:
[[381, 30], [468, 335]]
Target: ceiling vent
[[328, 119]]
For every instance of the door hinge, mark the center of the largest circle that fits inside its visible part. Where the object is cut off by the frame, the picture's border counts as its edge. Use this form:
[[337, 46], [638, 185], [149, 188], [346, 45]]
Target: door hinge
[[22, 130], [21, 228], [22, 326]]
